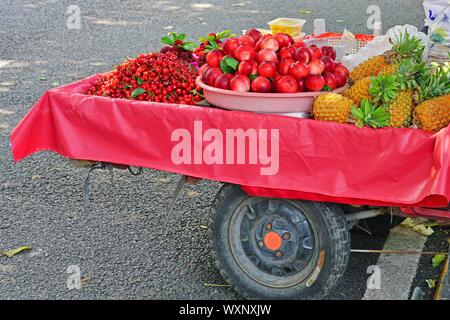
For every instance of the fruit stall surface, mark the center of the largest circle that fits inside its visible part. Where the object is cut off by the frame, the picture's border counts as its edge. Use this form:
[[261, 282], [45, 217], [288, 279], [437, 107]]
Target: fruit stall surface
[[317, 159]]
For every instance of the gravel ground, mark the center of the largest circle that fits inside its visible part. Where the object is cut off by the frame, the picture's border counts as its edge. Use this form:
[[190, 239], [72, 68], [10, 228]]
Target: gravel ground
[[127, 243], [438, 242]]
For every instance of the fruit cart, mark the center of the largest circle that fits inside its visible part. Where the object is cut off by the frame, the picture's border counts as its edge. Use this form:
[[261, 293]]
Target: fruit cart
[[280, 223]]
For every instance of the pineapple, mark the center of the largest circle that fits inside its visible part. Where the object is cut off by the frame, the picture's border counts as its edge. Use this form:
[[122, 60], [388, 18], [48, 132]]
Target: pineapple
[[434, 114], [359, 91], [370, 115], [400, 109], [368, 68], [395, 93], [383, 88], [332, 107], [405, 47], [389, 69], [432, 83], [433, 98]]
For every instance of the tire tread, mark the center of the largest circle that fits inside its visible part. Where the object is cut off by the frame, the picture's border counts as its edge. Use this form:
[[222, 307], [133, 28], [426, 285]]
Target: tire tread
[[335, 222]]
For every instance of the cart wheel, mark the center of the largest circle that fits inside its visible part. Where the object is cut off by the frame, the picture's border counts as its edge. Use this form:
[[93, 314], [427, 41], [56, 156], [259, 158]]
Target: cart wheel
[[278, 249]]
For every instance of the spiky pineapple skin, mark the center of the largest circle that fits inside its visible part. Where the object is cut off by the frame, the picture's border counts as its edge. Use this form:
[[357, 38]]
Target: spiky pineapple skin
[[388, 69], [371, 67], [359, 91], [434, 114], [332, 107], [401, 109]]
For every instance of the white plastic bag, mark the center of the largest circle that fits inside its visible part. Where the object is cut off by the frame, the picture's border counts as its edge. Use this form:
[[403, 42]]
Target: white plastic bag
[[381, 44]]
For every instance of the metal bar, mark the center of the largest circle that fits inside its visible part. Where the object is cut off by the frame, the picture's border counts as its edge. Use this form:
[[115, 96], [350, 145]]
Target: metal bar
[[406, 252], [178, 189], [364, 214]]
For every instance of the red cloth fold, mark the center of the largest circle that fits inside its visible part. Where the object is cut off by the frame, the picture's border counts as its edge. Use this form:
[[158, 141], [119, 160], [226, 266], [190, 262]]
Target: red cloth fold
[[322, 161]]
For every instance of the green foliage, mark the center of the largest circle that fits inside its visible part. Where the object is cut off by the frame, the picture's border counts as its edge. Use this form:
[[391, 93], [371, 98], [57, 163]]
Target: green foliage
[[438, 259], [432, 84], [137, 92], [383, 88], [408, 47], [229, 65], [173, 39], [371, 116]]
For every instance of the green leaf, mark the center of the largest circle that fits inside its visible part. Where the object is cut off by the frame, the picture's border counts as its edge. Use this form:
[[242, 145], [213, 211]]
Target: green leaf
[[438, 259], [327, 88], [225, 34], [232, 62], [225, 67], [229, 65], [167, 40], [431, 283], [189, 46], [139, 81], [368, 115], [11, 253], [383, 88], [212, 46], [357, 113], [253, 77], [137, 92], [365, 107]]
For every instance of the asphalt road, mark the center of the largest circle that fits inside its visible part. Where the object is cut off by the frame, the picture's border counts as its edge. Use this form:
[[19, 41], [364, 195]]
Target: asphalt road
[[127, 243]]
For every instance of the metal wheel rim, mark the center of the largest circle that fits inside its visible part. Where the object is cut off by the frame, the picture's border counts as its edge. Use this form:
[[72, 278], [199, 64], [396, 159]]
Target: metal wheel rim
[[300, 252]]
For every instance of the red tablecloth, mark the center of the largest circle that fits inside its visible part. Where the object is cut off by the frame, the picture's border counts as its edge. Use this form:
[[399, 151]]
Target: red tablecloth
[[317, 160]]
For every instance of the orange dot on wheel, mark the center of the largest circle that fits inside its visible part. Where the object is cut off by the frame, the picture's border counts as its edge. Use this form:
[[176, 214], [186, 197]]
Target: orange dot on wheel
[[272, 241]]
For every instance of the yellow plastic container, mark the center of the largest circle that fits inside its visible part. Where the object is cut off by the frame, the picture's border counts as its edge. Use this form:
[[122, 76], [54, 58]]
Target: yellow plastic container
[[292, 27]]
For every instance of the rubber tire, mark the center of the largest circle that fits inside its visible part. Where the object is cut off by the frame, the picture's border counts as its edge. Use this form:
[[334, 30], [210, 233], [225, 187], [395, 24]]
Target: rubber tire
[[334, 237]]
